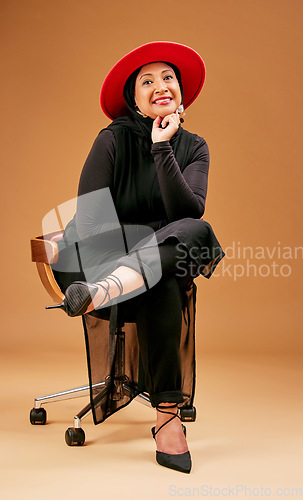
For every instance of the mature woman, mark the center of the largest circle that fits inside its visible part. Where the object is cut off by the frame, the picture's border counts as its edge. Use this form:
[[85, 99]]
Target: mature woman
[[155, 173]]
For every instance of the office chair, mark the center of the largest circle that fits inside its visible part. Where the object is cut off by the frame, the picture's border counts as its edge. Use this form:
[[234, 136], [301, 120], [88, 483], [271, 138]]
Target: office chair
[[44, 252]]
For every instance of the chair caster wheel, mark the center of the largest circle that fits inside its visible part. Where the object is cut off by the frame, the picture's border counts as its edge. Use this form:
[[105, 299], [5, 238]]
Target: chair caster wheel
[[37, 416], [74, 437], [188, 414]]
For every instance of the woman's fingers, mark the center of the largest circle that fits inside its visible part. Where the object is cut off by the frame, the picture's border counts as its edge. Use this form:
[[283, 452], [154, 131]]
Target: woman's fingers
[[169, 125], [173, 118], [167, 119], [157, 122]]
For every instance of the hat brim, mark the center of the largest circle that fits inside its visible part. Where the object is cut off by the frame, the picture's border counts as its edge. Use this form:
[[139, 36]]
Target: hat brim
[[187, 60]]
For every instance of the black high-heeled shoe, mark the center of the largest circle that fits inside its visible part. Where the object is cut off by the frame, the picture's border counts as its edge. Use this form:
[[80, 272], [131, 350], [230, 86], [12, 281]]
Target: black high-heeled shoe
[[80, 294], [180, 462]]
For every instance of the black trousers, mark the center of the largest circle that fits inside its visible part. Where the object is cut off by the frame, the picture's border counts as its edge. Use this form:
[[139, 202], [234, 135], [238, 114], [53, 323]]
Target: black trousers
[[158, 313]]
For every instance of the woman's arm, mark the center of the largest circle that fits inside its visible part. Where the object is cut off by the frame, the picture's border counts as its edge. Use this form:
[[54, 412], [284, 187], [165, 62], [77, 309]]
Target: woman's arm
[[184, 193]]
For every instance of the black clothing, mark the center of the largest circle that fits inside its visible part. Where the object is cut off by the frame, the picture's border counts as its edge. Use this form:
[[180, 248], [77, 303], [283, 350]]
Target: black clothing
[[177, 191], [160, 187], [146, 369]]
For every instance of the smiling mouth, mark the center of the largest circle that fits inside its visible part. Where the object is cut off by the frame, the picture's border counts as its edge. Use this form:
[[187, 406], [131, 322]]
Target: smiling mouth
[[162, 100]]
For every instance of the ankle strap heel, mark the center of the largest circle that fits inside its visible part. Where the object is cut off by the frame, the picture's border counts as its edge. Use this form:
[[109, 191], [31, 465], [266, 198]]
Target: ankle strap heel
[[180, 462], [80, 294]]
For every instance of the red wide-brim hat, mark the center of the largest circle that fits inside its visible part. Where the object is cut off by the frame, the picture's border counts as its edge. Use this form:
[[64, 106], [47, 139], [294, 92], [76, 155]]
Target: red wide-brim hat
[[187, 60]]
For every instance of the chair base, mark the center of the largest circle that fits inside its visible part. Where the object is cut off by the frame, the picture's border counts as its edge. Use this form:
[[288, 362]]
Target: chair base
[[75, 436]]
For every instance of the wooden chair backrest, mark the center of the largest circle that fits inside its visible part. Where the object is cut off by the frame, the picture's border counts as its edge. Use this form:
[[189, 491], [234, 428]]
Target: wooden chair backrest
[[44, 250]]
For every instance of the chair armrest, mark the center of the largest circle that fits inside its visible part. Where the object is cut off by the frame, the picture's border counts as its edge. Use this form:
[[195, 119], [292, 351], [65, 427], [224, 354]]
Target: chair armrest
[[45, 249], [44, 252]]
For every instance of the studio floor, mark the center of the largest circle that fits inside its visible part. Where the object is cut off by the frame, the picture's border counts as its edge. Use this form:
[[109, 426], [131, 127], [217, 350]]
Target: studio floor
[[246, 442]]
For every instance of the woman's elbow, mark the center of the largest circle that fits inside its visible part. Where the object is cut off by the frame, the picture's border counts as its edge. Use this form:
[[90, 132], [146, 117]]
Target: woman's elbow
[[201, 209]]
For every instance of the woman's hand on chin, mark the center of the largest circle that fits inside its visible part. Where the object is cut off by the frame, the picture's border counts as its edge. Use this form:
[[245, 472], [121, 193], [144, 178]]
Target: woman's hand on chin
[[165, 128]]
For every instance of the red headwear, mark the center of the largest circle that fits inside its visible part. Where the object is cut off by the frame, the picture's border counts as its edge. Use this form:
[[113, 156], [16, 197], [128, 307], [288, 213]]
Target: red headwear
[[187, 60]]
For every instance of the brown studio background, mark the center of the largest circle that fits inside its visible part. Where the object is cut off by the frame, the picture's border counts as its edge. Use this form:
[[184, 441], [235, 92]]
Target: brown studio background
[[55, 56]]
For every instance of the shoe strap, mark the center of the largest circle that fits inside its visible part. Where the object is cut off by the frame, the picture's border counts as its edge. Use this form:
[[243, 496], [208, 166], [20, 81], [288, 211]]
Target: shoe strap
[[117, 282], [174, 415], [105, 289]]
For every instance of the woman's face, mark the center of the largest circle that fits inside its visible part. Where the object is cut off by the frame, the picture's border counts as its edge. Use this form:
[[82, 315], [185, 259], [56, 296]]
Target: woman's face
[[157, 90]]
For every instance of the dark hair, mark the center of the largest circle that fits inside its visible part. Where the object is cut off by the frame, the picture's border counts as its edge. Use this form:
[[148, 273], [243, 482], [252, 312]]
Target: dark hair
[[129, 87]]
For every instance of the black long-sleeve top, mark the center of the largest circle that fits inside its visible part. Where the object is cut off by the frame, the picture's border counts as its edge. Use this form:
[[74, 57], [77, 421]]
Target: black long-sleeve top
[[175, 194]]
